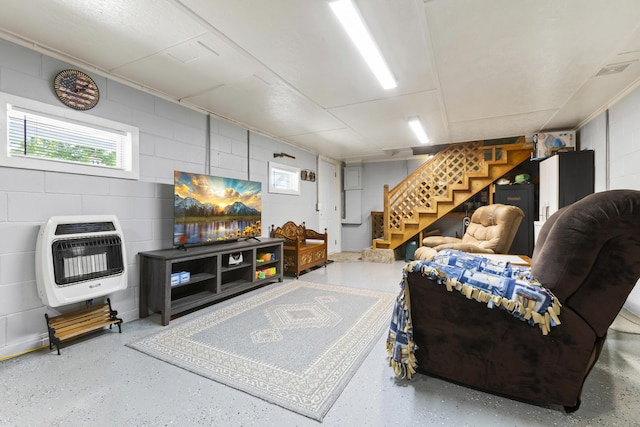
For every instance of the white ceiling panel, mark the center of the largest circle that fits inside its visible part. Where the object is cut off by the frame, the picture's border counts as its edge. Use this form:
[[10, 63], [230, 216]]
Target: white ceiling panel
[[191, 68], [106, 34], [384, 122], [285, 68], [500, 127], [305, 45], [338, 144], [275, 108], [523, 56], [594, 97]]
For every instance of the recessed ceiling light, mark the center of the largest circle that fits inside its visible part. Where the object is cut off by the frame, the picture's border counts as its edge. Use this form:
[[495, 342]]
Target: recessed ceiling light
[[354, 25]]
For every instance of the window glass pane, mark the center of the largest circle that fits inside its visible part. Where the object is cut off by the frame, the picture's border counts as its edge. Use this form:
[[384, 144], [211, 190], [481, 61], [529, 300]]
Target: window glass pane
[[284, 179], [41, 136], [33, 135]]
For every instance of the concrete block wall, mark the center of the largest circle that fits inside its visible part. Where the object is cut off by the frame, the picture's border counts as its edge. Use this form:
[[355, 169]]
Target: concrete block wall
[[172, 137], [375, 175], [623, 147], [624, 142]]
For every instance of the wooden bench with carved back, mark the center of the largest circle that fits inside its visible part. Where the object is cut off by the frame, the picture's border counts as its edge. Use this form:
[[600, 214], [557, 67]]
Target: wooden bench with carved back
[[303, 248]]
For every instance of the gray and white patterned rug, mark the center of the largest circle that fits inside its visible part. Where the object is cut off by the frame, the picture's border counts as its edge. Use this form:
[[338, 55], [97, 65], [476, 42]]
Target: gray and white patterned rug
[[296, 345]]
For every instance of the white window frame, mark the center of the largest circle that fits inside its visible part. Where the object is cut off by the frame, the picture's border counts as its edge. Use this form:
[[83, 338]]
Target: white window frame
[[130, 151], [284, 179]]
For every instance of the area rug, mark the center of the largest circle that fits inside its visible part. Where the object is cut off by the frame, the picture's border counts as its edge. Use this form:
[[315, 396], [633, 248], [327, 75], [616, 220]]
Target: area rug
[[296, 345]]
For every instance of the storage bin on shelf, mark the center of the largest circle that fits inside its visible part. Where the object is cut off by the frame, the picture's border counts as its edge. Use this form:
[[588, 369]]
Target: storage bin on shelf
[[263, 273], [180, 277], [266, 256]]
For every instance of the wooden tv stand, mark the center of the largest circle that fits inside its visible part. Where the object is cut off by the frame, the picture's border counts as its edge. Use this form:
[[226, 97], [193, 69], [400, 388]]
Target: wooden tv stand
[[216, 272]]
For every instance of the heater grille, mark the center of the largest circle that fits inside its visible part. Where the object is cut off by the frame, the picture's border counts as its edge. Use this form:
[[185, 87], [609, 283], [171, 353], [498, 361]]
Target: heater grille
[[79, 260]]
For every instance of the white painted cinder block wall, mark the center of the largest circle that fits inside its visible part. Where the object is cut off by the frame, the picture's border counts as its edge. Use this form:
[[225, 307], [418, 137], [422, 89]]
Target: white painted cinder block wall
[[375, 175], [619, 168], [171, 138]]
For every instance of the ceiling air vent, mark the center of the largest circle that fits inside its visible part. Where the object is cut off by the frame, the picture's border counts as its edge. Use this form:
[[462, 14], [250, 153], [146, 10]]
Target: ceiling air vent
[[613, 69]]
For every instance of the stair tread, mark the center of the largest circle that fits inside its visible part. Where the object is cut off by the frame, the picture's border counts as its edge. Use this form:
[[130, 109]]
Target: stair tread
[[471, 183]]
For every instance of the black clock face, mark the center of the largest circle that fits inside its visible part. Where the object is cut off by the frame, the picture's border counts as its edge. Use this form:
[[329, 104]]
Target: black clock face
[[76, 89]]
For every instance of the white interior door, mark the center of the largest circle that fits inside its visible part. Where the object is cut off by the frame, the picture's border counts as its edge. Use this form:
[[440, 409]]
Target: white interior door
[[328, 201]]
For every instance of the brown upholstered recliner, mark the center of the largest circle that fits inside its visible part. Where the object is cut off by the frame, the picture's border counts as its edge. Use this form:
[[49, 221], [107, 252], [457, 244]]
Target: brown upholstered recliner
[[588, 255], [492, 230]]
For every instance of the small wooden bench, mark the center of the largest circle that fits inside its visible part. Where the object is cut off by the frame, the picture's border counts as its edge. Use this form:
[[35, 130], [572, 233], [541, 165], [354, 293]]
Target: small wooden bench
[[303, 248], [78, 322]]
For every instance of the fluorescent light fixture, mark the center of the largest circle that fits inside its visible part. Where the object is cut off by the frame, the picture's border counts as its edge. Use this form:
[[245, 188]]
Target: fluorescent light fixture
[[352, 22], [418, 129]]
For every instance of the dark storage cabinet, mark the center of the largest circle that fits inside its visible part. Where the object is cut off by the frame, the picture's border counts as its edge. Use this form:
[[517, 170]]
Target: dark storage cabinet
[[565, 178], [522, 196]]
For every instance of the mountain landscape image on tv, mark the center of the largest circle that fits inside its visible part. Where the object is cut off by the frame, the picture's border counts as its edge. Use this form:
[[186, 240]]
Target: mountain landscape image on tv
[[210, 209]]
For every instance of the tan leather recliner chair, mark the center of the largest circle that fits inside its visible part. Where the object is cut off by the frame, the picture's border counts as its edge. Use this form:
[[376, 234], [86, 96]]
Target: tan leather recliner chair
[[491, 231]]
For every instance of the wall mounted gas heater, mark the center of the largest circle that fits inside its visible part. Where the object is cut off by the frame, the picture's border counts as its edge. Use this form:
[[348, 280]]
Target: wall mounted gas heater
[[79, 258]]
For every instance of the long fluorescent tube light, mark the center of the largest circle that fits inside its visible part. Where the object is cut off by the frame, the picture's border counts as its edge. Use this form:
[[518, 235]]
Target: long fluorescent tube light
[[418, 129], [354, 25]]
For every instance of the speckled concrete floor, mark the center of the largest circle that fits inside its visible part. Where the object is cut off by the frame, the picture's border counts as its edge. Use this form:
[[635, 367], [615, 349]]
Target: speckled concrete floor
[[101, 382]]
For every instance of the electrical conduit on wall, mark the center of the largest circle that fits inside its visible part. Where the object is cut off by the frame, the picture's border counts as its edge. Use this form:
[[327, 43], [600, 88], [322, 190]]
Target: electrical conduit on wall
[[207, 147]]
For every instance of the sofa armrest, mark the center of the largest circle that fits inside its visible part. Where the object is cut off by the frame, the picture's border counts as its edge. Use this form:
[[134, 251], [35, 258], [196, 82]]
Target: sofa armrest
[[433, 241], [464, 247], [588, 254]]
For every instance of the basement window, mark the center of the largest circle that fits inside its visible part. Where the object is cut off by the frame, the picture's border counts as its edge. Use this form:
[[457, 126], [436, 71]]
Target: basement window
[[46, 137], [284, 179]]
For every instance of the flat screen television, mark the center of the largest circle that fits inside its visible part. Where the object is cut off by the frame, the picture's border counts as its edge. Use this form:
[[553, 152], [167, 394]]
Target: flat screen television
[[211, 209]]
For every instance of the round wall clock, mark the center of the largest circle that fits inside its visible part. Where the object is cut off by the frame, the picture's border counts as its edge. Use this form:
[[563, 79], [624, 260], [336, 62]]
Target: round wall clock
[[76, 89]]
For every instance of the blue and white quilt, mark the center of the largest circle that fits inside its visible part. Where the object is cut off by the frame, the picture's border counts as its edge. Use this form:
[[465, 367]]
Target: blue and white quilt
[[494, 283]]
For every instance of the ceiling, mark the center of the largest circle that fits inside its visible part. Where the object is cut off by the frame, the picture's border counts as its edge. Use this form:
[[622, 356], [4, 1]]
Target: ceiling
[[471, 69]]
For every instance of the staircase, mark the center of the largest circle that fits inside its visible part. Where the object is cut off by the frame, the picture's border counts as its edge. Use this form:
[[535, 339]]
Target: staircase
[[443, 183]]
